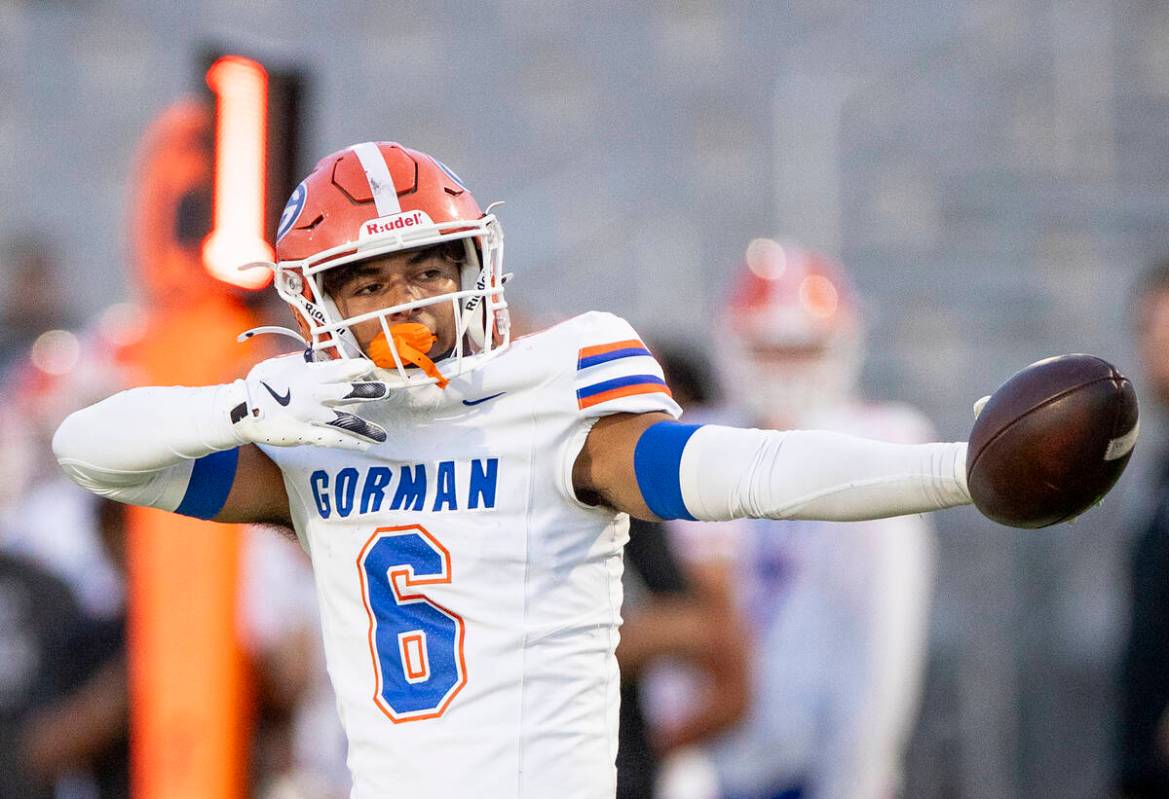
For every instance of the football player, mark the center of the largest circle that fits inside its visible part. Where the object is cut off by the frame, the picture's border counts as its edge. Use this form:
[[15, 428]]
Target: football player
[[464, 497], [839, 611]]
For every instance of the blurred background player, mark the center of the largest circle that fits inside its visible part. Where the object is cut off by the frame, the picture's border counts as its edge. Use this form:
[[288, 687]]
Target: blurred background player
[[690, 700], [79, 741], [670, 619], [72, 738], [838, 611], [47, 519], [1144, 679]]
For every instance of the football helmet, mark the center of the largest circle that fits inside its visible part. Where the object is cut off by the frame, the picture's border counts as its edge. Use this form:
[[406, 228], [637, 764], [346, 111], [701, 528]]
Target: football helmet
[[796, 341], [376, 198]]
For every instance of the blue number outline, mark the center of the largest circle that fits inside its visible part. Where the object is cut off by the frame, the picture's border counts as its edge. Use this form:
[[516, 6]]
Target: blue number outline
[[399, 579]]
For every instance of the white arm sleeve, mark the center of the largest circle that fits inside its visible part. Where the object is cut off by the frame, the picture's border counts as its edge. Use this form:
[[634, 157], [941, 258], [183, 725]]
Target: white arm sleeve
[[729, 473], [139, 446]]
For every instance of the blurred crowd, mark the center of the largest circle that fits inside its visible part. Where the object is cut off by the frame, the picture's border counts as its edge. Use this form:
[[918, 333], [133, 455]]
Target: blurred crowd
[[760, 660]]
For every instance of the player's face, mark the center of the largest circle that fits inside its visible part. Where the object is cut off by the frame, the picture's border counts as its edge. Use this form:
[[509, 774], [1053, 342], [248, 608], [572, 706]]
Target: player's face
[[791, 385], [399, 278], [782, 358]]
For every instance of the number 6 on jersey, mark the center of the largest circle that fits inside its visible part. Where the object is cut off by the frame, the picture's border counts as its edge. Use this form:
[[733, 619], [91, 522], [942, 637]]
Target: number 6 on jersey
[[416, 644]]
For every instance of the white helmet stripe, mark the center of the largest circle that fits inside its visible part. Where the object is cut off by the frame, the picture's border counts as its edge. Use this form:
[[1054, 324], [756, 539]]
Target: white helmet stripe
[[381, 184]]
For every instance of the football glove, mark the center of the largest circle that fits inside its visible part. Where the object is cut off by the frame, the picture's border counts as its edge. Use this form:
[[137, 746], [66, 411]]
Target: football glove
[[286, 402]]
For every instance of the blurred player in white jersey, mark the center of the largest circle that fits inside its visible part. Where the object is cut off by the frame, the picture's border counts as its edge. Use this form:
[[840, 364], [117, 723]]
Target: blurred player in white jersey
[[464, 497], [839, 610]]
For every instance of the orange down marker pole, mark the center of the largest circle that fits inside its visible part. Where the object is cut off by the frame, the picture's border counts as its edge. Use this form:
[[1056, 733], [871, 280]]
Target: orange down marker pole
[[190, 698]]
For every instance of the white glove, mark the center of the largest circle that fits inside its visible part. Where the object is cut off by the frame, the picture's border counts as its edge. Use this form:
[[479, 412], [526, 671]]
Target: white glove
[[979, 405], [286, 402]]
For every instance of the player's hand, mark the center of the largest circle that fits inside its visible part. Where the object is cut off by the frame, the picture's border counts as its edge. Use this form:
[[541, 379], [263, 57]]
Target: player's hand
[[287, 402], [979, 405]]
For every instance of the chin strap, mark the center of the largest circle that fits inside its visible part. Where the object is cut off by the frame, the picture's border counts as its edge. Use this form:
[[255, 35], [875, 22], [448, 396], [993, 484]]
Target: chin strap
[[411, 343]]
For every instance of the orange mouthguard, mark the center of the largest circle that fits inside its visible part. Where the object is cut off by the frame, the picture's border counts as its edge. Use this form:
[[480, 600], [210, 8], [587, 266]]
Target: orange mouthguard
[[412, 341]]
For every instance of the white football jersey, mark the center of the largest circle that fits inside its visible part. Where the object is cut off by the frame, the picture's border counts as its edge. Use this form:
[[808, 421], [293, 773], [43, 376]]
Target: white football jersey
[[469, 602]]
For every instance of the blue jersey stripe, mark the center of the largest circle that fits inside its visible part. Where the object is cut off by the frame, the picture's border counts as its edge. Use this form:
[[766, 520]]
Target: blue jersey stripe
[[618, 382], [605, 357], [210, 484], [657, 460]]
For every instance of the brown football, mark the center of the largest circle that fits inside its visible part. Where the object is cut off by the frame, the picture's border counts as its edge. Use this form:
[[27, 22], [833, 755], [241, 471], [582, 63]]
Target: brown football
[[1052, 441]]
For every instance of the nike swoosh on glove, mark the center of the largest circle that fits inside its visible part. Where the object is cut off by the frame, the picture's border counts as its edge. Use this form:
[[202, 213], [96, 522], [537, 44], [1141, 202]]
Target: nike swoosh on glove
[[286, 402]]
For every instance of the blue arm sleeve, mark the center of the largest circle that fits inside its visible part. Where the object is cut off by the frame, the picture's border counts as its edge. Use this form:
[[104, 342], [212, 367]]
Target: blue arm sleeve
[[656, 462], [210, 484]]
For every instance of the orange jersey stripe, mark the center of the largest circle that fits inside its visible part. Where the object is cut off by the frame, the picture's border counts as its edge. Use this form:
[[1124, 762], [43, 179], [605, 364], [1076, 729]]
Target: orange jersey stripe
[[624, 391], [601, 349]]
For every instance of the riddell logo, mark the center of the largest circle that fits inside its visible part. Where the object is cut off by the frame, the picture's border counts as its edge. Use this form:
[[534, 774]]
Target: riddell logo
[[393, 223]]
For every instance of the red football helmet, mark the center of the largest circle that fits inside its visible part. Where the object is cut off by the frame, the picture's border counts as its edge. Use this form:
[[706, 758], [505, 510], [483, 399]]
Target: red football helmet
[[796, 344], [376, 198]]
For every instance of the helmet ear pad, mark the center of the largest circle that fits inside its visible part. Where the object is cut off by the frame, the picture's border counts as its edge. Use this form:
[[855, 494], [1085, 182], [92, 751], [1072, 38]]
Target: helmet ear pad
[[295, 289], [474, 309], [470, 275], [344, 338]]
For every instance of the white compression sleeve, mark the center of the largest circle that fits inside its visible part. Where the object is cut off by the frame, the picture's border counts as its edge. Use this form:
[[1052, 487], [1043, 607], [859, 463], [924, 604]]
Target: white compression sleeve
[[729, 473], [139, 445]]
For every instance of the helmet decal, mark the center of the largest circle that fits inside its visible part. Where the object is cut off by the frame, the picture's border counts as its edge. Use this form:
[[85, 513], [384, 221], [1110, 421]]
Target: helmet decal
[[292, 210], [381, 183], [388, 224]]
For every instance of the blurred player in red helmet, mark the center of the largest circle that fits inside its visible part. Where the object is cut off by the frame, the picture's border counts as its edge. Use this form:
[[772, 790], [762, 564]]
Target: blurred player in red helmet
[[465, 500], [839, 611], [796, 330]]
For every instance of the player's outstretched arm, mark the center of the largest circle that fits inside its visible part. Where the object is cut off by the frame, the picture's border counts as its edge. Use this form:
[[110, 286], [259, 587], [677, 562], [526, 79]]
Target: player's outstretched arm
[[652, 467], [188, 450]]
